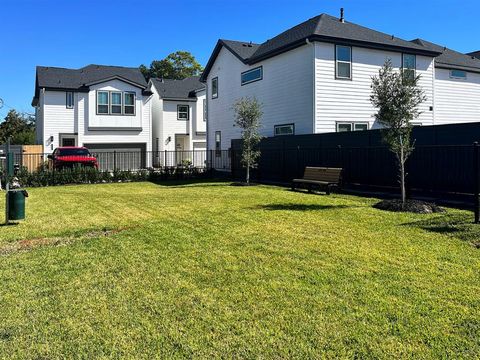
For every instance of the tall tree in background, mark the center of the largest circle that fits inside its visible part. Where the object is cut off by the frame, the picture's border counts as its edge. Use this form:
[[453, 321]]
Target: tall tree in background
[[19, 128], [397, 96], [178, 65], [248, 112]]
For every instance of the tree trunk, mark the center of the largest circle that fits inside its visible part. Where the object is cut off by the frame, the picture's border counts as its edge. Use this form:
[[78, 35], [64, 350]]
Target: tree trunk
[[248, 172], [402, 174]]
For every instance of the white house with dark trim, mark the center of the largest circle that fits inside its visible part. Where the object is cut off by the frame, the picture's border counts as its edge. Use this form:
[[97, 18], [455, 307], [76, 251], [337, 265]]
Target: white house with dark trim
[[104, 108], [178, 109], [316, 77]]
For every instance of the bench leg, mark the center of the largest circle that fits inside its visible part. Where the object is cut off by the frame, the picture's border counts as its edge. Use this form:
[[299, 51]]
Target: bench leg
[[309, 188], [293, 186], [328, 190]]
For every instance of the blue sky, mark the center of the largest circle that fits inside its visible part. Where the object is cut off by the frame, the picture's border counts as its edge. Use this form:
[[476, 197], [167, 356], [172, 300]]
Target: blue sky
[[73, 33]]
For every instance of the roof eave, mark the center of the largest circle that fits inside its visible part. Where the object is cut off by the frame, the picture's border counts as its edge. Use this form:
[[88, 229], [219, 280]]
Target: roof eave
[[117, 77], [456, 67]]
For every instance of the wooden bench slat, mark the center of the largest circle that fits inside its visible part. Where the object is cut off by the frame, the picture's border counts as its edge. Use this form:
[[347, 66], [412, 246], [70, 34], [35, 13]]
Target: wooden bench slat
[[320, 176]]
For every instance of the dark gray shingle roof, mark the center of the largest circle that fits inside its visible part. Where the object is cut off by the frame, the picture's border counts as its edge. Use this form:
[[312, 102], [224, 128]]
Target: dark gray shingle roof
[[178, 89], [450, 58], [475, 54], [323, 27], [61, 78]]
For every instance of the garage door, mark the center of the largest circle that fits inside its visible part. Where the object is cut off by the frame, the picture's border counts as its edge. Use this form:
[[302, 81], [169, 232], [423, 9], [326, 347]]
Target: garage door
[[128, 156]]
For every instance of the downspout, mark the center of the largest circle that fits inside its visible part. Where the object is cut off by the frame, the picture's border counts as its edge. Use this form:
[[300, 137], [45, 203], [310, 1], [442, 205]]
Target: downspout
[[433, 92], [314, 89]]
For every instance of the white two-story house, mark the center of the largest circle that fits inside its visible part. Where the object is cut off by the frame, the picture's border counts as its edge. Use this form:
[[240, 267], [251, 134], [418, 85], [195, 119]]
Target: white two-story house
[[104, 108], [316, 77]]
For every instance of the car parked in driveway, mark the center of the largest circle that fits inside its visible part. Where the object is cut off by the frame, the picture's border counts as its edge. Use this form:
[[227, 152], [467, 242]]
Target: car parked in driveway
[[71, 156]]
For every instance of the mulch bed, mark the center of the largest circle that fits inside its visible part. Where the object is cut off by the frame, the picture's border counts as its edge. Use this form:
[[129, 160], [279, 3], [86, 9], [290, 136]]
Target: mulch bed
[[414, 206]]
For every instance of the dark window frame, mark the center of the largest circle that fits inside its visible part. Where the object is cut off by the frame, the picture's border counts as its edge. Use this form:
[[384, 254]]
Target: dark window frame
[[451, 76], [218, 144], [67, 105], [178, 112], [414, 64], [352, 125], [107, 104], [342, 61], [283, 125], [249, 71], [134, 103], [215, 95], [111, 105]]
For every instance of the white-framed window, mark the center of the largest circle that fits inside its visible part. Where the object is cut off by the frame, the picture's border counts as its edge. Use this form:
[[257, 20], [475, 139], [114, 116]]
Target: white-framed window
[[284, 129], [409, 65], [252, 75], [204, 109], [115, 102], [215, 88], [69, 100], [182, 112], [458, 74], [351, 126], [218, 143], [343, 62], [129, 103], [102, 102]]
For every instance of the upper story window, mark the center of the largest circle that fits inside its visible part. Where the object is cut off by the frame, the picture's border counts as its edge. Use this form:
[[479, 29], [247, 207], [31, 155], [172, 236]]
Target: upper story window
[[182, 112], [110, 103], [409, 64], [458, 74], [252, 75], [343, 62], [102, 102], [204, 109], [116, 102], [287, 129], [129, 103], [69, 100], [214, 87]]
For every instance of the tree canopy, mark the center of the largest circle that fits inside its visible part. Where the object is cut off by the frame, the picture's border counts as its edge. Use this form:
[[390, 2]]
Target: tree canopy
[[19, 128], [178, 65]]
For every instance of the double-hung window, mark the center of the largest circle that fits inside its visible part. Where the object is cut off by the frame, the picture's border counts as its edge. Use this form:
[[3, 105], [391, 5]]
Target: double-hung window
[[69, 100], [343, 62], [102, 102], [115, 102], [252, 75], [129, 103], [182, 112], [214, 87], [409, 64]]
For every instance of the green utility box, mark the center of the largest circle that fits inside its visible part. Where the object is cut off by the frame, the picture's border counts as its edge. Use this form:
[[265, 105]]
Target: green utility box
[[16, 204]]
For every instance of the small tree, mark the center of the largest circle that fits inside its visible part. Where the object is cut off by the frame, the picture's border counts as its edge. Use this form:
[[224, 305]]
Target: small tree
[[397, 96], [248, 112]]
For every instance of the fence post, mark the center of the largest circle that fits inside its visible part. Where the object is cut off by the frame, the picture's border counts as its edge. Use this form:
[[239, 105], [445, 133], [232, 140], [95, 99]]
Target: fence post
[[232, 165], [476, 179], [114, 160]]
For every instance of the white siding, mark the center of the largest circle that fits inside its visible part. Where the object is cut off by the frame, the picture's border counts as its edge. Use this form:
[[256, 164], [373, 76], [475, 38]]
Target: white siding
[[57, 119], [285, 92], [349, 100], [456, 101], [171, 125], [199, 124]]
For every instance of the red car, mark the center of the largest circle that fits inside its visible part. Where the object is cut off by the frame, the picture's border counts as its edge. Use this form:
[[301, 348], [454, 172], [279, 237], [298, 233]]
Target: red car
[[70, 156]]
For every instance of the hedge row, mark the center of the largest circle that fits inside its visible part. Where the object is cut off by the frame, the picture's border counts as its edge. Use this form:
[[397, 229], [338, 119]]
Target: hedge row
[[94, 176]]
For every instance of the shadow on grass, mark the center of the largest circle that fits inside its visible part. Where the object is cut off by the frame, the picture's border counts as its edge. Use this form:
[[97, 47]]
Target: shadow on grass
[[454, 225], [300, 207], [179, 183]]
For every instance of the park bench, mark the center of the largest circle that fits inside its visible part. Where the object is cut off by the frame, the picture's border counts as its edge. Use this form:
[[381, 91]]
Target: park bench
[[319, 177]]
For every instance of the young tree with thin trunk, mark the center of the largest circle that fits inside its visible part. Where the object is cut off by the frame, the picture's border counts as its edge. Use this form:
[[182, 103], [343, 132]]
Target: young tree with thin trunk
[[248, 113], [397, 95]]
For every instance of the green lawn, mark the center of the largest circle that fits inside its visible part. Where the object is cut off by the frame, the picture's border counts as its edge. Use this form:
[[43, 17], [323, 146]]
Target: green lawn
[[210, 270]]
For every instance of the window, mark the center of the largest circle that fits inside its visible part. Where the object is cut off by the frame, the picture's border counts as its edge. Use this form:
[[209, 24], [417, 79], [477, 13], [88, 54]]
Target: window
[[215, 88], [116, 102], [218, 143], [204, 109], [409, 64], [287, 129], [69, 100], [343, 62], [129, 103], [102, 102], [182, 112], [351, 126], [458, 74], [252, 75]]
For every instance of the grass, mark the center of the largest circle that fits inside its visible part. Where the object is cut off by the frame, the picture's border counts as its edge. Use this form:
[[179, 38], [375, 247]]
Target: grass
[[209, 270]]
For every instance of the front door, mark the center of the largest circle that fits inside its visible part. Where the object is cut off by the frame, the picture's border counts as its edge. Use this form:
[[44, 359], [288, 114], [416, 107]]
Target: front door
[[180, 146]]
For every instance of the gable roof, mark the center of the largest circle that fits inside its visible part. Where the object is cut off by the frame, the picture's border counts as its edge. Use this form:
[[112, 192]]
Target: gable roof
[[324, 28], [450, 58], [57, 78], [178, 89], [475, 54]]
